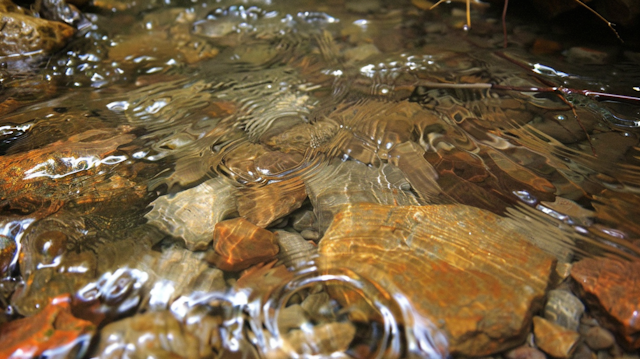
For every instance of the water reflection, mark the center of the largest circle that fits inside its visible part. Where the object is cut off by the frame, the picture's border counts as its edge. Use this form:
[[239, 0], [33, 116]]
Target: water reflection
[[341, 179]]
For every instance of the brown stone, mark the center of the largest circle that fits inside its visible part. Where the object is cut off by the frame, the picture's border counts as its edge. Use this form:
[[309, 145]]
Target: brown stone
[[52, 332], [598, 338], [152, 334], [477, 281], [554, 339], [23, 34], [264, 204], [239, 244], [611, 289], [524, 352], [33, 179]]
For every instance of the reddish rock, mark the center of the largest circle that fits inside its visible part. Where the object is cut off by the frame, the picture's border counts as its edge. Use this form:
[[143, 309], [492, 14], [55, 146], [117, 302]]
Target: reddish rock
[[263, 205], [476, 280], [524, 352], [611, 289], [554, 339], [239, 244], [52, 332]]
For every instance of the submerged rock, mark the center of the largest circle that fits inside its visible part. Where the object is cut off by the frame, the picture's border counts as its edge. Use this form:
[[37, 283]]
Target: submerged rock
[[81, 169], [54, 332], [322, 339], [349, 182], [564, 309], [23, 34], [554, 339], [58, 256], [265, 204], [483, 281], [152, 334], [178, 272], [610, 288], [193, 213], [239, 244]]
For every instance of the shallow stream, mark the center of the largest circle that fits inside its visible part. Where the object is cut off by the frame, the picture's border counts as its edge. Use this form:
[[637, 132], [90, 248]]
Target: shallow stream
[[344, 179]]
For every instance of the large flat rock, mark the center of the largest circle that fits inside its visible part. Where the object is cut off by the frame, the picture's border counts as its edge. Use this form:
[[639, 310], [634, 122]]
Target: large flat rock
[[476, 280], [611, 289]]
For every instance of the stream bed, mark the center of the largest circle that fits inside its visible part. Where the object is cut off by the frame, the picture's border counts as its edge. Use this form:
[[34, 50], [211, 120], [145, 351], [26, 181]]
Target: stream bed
[[319, 179]]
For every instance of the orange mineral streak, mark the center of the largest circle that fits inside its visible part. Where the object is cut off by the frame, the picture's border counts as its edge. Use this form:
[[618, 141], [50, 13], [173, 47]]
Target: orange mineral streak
[[262, 205], [611, 288], [52, 329], [32, 180], [458, 265], [239, 244]]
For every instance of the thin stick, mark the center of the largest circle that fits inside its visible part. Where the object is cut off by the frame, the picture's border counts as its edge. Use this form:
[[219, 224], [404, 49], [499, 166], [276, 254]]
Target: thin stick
[[436, 4], [504, 23], [468, 14], [560, 91], [575, 115], [601, 18]]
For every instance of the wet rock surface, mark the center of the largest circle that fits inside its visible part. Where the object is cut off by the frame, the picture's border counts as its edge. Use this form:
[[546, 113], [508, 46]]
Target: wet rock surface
[[54, 331], [345, 179], [150, 334], [554, 339], [238, 244], [421, 246], [610, 288], [24, 34], [193, 213]]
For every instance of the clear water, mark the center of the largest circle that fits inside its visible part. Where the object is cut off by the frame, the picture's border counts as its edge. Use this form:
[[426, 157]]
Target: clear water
[[339, 100]]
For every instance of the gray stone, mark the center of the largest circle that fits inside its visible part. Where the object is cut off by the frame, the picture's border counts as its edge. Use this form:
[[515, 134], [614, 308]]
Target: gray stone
[[310, 234], [598, 338], [564, 309], [293, 247], [583, 352], [304, 220]]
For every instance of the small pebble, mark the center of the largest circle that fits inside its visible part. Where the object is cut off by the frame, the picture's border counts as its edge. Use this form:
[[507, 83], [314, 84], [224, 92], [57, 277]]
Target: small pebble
[[586, 56], [524, 352], [279, 223], [564, 309], [303, 220], [554, 339], [584, 352], [310, 234], [563, 270], [598, 338]]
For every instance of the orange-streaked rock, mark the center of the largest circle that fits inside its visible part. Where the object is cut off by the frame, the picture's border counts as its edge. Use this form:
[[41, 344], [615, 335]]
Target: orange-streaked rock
[[263, 205], [611, 288], [76, 169], [239, 244], [476, 280], [52, 331], [554, 339]]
